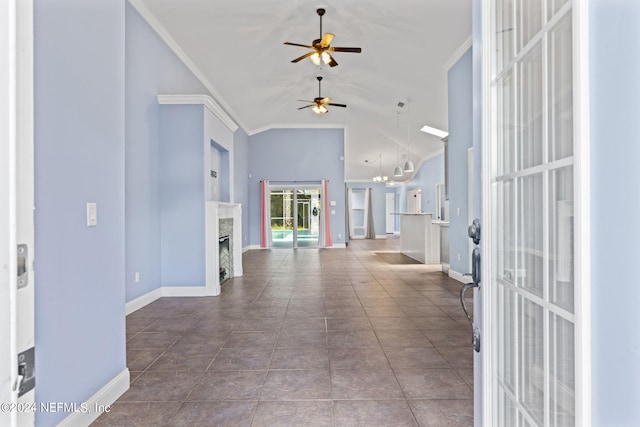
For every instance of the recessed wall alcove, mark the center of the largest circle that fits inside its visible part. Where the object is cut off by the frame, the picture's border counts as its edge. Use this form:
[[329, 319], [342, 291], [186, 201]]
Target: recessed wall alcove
[[196, 193]]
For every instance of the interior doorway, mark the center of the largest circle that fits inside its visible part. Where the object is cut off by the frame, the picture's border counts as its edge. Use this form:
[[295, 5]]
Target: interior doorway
[[295, 216]]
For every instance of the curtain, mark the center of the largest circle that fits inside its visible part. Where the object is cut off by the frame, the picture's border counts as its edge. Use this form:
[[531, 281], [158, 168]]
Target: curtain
[[265, 214], [371, 229], [325, 240]]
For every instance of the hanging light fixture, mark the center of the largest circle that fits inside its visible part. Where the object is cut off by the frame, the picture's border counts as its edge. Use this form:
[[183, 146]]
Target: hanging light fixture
[[380, 178], [408, 166], [397, 172]]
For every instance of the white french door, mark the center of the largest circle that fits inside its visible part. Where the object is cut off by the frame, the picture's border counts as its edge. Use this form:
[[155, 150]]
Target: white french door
[[16, 213], [533, 180]]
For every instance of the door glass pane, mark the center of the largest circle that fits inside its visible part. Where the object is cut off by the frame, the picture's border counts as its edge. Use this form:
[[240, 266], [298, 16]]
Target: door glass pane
[[531, 119], [561, 247], [529, 15], [561, 373], [505, 227], [282, 218], [507, 410], [529, 271], [508, 339], [531, 376], [561, 90], [308, 211], [504, 34], [553, 6], [507, 124]]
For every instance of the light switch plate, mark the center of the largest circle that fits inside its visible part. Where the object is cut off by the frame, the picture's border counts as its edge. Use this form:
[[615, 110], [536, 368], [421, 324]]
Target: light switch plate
[[332, 203], [92, 214]]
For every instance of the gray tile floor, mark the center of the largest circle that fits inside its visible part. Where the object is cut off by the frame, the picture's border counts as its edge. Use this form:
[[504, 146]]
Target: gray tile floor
[[361, 336]]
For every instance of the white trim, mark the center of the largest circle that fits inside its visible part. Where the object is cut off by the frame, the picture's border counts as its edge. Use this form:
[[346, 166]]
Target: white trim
[[173, 45], [458, 54], [252, 248], [141, 301], [187, 291], [102, 399], [459, 276], [295, 126], [200, 99], [487, 391], [381, 237], [582, 202]]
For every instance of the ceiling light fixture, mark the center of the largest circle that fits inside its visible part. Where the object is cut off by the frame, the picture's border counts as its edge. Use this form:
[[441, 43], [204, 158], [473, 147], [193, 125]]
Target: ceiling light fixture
[[380, 178], [408, 166], [397, 172], [433, 131]]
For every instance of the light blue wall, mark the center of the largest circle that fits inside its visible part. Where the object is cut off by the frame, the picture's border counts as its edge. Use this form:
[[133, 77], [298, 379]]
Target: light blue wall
[[460, 92], [182, 228], [241, 179], [378, 203], [151, 69], [429, 173], [615, 210], [297, 155], [79, 158]]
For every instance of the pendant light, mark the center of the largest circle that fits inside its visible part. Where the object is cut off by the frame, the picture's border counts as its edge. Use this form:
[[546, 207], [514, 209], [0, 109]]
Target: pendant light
[[408, 166], [397, 172]]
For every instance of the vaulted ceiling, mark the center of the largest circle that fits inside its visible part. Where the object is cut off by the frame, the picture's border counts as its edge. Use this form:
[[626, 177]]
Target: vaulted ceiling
[[237, 47]]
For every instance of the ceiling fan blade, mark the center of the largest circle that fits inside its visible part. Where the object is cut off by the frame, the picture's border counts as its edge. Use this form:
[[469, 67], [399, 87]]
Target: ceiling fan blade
[[326, 39], [306, 106], [325, 100], [298, 44], [304, 100], [300, 58], [346, 49], [333, 62], [337, 105]]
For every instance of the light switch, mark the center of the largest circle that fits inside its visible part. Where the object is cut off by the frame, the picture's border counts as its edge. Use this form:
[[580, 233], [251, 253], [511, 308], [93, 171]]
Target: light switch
[[92, 214], [332, 203], [333, 212]]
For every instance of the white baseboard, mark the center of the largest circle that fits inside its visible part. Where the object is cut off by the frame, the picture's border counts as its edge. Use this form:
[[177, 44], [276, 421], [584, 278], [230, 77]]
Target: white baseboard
[[141, 301], [381, 236], [99, 402], [459, 276], [187, 291], [337, 246]]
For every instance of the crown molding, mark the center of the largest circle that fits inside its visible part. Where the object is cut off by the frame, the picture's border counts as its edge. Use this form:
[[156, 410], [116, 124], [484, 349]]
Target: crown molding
[[205, 100], [220, 106], [458, 54], [295, 126]]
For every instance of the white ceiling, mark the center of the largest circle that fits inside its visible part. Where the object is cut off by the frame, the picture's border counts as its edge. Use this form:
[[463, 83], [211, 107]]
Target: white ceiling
[[237, 46]]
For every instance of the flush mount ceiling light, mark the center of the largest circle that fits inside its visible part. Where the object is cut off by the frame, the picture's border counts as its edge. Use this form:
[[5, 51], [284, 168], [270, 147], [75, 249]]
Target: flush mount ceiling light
[[433, 131], [321, 47]]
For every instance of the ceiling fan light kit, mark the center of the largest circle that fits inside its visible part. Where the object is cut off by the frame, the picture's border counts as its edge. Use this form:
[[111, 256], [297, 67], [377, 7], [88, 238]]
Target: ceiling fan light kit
[[322, 46]]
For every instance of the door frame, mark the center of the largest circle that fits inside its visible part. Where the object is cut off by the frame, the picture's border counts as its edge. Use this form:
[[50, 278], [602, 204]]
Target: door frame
[[582, 203], [17, 197]]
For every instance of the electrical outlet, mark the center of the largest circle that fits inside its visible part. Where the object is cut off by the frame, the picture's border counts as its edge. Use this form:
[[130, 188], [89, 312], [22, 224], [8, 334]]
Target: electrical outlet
[[339, 235], [458, 211], [137, 276]]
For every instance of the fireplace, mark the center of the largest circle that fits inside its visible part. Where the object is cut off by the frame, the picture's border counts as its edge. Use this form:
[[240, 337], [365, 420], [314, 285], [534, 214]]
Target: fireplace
[[223, 227], [225, 258]]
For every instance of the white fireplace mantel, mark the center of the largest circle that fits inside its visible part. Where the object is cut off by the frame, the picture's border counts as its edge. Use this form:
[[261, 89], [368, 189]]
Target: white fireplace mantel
[[214, 211]]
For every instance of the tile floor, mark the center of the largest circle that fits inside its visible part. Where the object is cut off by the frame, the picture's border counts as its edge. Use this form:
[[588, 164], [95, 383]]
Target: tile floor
[[361, 336]]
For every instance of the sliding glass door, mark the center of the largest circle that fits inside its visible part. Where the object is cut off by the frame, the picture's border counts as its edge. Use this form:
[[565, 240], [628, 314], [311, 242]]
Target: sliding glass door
[[295, 216]]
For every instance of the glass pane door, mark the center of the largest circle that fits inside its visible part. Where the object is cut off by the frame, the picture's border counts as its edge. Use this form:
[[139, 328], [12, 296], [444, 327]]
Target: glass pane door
[[295, 217], [282, 218], [531, 247]]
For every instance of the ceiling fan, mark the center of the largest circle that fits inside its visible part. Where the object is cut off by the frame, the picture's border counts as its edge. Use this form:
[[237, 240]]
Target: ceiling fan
[[319, 104], [321, 47]]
